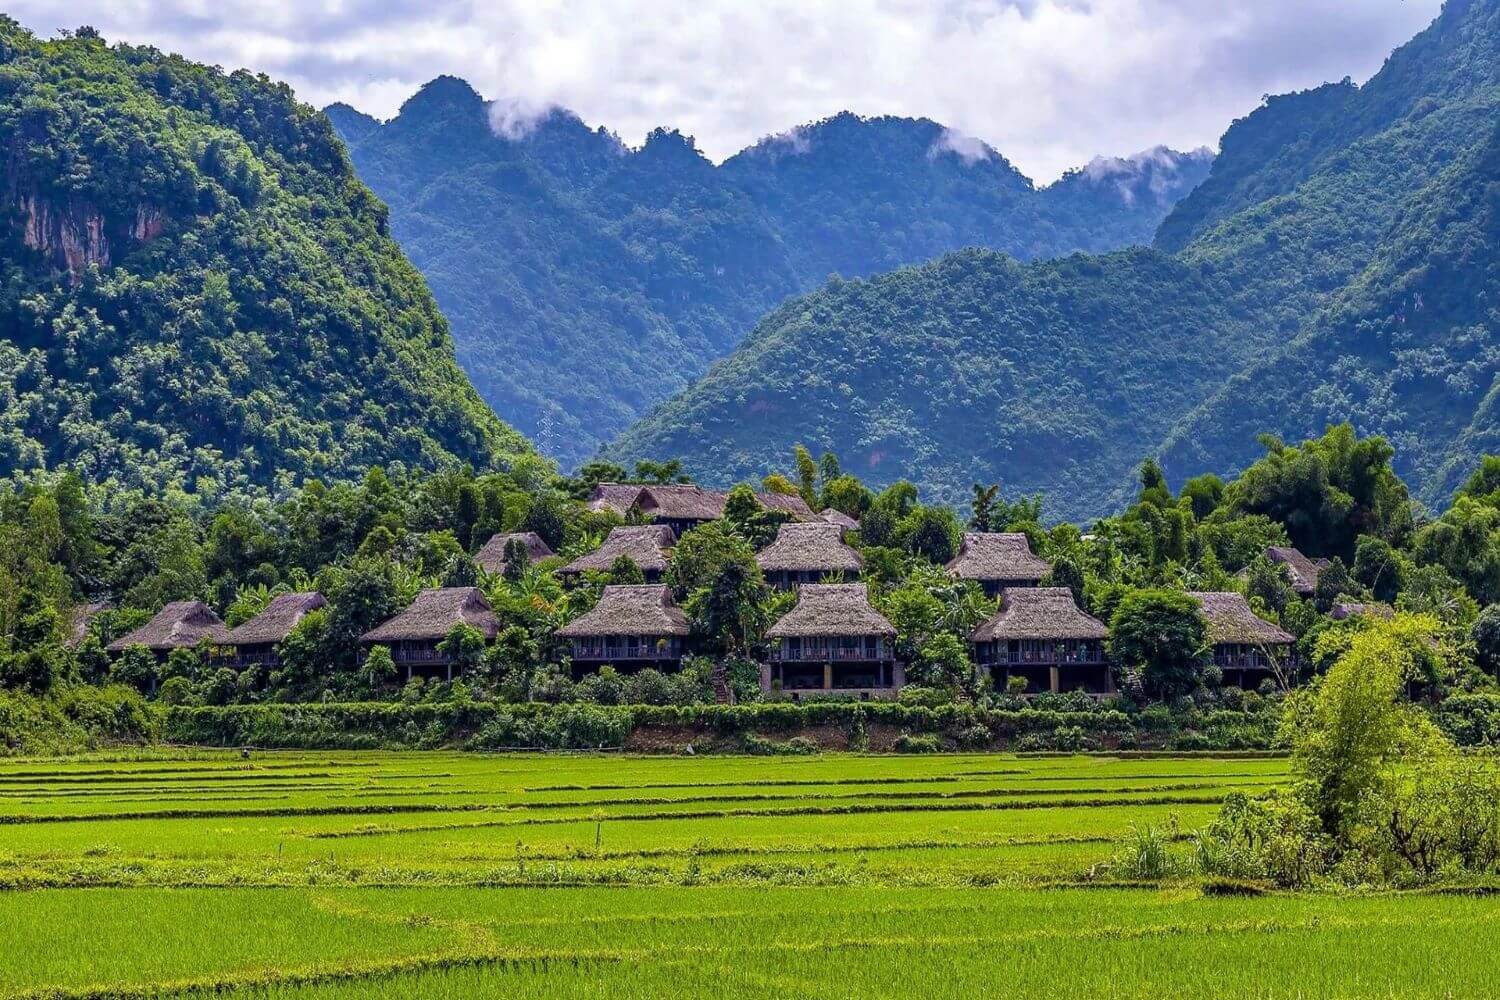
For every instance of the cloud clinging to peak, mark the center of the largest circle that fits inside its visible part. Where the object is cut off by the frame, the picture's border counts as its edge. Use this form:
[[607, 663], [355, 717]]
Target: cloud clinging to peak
[[1047, 83]]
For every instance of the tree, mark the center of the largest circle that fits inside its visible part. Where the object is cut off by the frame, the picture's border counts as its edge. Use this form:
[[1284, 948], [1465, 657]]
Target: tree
[[930, 532], [1349, 729], [1486, 637], [1203, 494], [308, 655], [379, 670], [1270, 583], [701, 555], [1327, 492], [1067, 573], [660, 473], [879, 524], [943, 663], [1465, 541], [807, 475], [777, 483], [1161, 636], [727, 610], [464, 648], [1154, 489], [847, 494], [361, 596], [136, 666], [547, 518], [755, 523], [517, 558], [1379, 568], [1484, 485], [982, 508], [461, 571], [1333, 584], [508, 664], [625, 571]]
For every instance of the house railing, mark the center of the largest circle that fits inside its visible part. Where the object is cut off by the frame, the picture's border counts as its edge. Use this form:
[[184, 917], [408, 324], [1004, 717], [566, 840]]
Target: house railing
[[829, 654], [418, 657], [626, 653], [1040, 658]]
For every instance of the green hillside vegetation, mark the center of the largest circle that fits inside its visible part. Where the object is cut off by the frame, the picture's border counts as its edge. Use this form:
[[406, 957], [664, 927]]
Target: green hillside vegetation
[[586, 281], [1345, 236], [974, 368], [195, 288]]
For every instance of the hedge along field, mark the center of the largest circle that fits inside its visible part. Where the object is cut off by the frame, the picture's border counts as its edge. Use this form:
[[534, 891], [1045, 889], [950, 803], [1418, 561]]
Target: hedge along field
[[299, 874]]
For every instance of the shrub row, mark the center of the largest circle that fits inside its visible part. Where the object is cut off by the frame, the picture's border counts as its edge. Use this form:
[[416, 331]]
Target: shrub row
[[492, 726], [74, 719]]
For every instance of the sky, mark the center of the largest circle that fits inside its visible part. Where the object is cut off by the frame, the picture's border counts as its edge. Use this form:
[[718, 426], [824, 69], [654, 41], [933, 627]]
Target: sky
[[1048, 83]]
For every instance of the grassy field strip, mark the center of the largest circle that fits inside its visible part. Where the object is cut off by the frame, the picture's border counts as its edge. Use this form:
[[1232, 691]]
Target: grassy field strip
[[851, 809], [914, 802], [507, 935], [916, 794]]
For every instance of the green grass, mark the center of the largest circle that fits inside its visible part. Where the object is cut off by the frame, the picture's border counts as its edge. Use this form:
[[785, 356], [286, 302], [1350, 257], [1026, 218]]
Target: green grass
[[444, 875]]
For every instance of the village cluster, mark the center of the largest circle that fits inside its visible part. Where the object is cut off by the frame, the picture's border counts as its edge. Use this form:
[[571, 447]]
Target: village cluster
[[831, 642]]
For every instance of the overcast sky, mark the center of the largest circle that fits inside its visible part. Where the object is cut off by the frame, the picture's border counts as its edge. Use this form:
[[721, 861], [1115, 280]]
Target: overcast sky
[[1049, 83]]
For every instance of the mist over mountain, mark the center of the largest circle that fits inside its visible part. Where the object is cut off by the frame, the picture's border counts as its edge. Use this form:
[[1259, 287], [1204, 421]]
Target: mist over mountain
[[586, 280], [1340, 258]]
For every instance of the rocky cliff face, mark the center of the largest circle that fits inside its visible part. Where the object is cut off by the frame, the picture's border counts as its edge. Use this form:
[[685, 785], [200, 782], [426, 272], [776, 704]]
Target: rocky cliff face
[[73, 235]]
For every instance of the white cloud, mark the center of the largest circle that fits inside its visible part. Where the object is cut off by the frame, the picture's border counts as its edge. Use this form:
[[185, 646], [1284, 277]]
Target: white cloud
[[965, 147], [516, 117], [1048, 83]]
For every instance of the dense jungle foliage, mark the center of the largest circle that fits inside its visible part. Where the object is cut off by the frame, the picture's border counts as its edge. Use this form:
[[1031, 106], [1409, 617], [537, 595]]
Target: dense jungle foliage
[[196, 289], [368, 548], [586, 281], [1340, 258]]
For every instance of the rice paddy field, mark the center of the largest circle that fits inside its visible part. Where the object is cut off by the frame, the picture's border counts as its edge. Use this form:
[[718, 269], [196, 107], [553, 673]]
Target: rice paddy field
[[324, 875]]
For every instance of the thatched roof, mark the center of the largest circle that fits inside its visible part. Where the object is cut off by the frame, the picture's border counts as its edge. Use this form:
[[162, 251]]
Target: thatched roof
[[1039, 613], [79, 618], [683, 502], [997, 556], [491, 558], [831, 609], [1230, 620], [434, 613], [276, 622], [179, 624], [809, 547], [646, 545], [1339, 612], [617, 498], [793, 505], [637, 609], [1302, 570], [839, 518]]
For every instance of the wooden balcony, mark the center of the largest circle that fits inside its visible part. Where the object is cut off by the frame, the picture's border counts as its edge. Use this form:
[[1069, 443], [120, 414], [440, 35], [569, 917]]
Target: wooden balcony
[[802, 651], [624, 652]]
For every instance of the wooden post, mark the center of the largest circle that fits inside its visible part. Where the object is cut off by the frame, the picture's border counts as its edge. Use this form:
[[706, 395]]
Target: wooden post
[[828, 677], [1052, 679]]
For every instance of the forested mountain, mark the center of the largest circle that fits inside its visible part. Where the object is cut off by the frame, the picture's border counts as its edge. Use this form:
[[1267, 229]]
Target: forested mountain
[[1346, 236], [197, 289], [1401, 224], [586, 281]]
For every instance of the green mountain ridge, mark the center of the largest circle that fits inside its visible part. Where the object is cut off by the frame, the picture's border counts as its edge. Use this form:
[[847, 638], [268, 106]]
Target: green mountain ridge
[[587, 281], [1325, 216], [198, 290]]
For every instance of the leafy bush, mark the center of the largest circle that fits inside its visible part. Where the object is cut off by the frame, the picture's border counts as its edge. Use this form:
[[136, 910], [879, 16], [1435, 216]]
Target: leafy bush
[[907, 743]]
